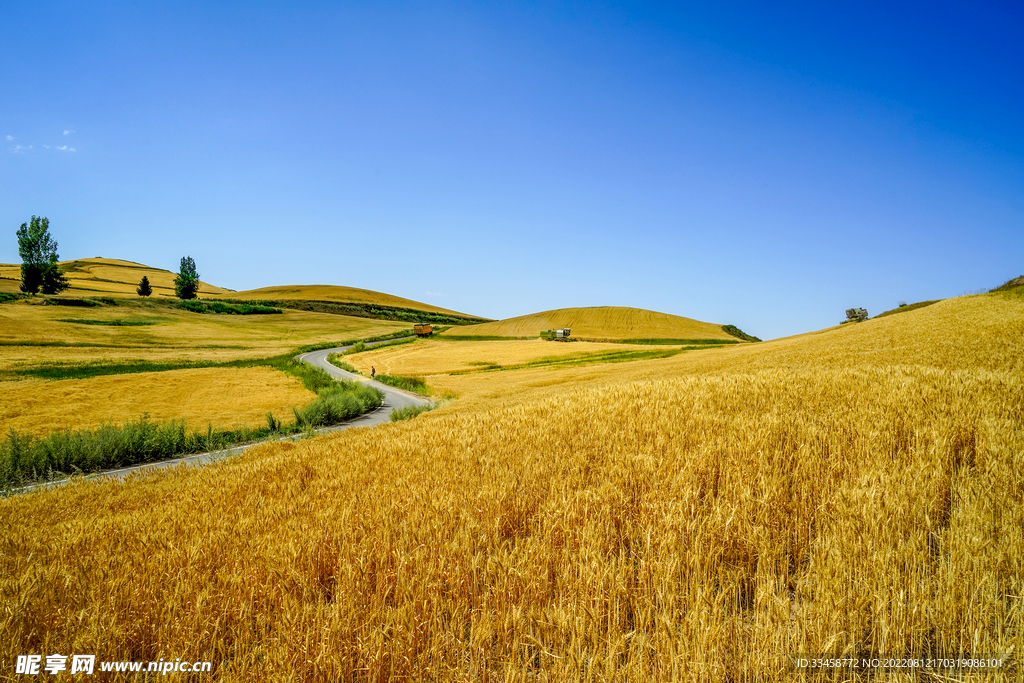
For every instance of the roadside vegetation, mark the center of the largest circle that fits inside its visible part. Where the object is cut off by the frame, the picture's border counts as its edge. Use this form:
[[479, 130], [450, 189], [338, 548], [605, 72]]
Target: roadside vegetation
[[416, 385], [409, 412], [26, 459], [342, 401], [335, 359]]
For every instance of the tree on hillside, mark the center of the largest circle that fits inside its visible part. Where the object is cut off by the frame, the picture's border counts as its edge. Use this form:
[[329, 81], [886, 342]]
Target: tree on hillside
[[186, 284], [144, 288], [38, 251]]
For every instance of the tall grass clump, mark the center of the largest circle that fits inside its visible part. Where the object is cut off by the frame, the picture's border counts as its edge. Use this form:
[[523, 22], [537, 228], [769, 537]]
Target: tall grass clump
[[338, 403], [335, 360], [409, 412], [26, 459], [416, 385]]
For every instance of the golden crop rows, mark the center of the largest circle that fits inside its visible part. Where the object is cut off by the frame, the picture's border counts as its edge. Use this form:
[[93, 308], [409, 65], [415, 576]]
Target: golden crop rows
[[857, 491]]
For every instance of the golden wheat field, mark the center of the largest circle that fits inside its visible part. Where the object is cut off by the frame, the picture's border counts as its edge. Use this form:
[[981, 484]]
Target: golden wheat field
[[603, 322], [106, 277], [225, 397], [442, 357], [857, 491]]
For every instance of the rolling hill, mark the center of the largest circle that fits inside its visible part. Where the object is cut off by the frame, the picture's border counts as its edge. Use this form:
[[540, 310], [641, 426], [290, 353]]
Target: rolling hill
[[334, 294], [107, 277], [113, 277], [602, 322]]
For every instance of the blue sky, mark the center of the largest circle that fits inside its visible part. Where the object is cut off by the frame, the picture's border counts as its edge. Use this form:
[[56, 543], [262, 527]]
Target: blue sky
[[766, 165]]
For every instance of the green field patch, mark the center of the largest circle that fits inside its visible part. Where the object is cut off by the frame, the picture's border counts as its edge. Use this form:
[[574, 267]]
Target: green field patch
[[116, 322], [197, 306]]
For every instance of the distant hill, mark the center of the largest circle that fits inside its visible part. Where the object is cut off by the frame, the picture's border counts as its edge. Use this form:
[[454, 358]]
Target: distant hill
[[112, 277], [107, 277], [336, 294], [603, 322]]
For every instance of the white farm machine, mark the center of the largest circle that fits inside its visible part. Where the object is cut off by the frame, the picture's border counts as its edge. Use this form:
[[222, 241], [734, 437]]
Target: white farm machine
[[556, 335]]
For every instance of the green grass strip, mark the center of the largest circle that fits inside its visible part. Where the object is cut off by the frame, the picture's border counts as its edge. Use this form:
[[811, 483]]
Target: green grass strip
[[416, 385], [409, 412]]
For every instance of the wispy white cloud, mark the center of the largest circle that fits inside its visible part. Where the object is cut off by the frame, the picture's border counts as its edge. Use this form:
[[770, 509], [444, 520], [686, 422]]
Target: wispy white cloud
[[433, 293], [68, 131], [9, 138], [65, 148], [21, 148]]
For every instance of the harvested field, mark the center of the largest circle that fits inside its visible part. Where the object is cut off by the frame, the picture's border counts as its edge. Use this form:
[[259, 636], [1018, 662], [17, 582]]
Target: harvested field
[[604, 322], [857, 491], [225, 397]]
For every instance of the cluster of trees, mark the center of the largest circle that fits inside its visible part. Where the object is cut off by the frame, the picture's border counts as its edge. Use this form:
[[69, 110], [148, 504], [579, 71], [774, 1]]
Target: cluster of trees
[[40, 272]]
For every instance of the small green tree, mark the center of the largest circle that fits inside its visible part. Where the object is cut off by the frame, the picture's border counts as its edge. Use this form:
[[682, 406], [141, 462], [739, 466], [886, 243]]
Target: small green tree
[[38, 251], [144, 288], [186, 284]]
